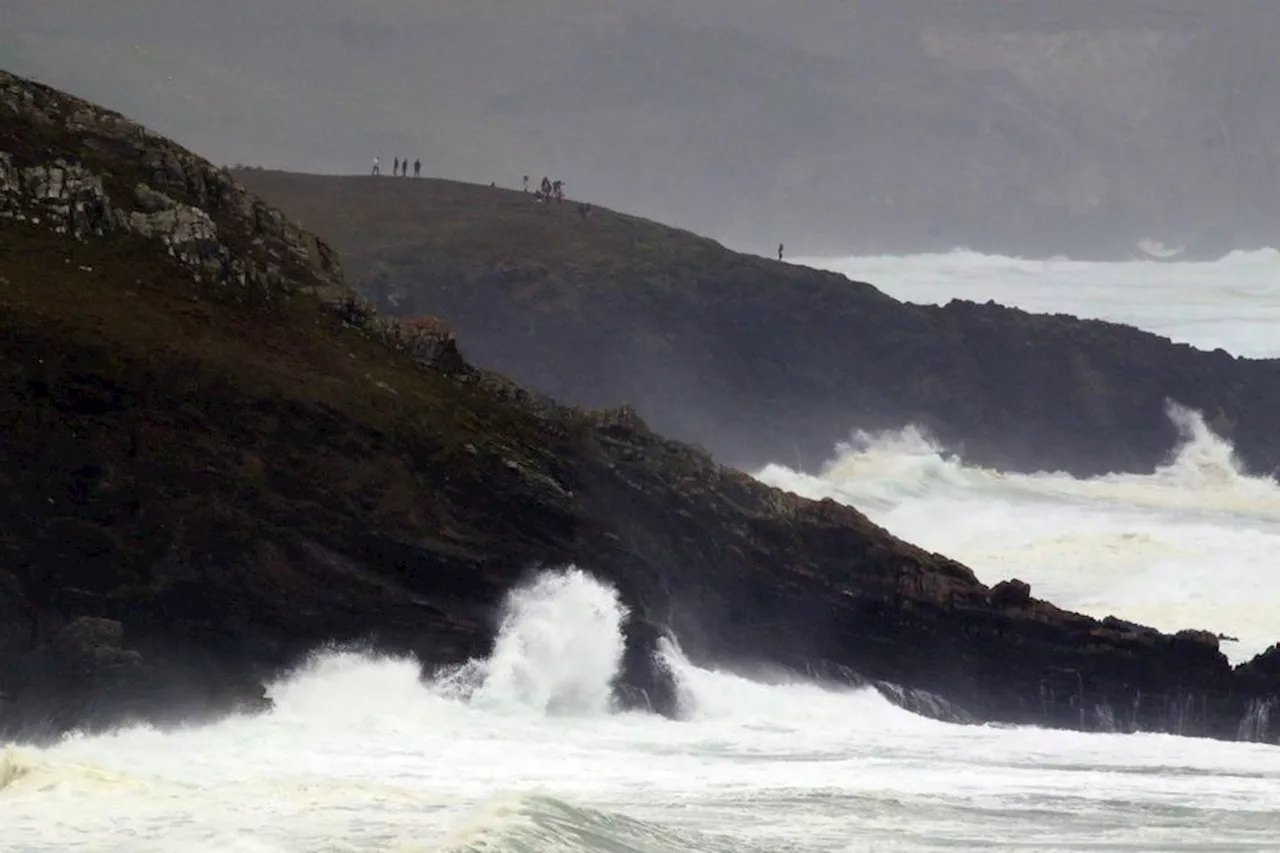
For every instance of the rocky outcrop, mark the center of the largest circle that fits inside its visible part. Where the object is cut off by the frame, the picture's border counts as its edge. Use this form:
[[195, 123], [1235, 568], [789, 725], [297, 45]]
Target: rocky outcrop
[[197, 491], [765, 362], [87, 172]]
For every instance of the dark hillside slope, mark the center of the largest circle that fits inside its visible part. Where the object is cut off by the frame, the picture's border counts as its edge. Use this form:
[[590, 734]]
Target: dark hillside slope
[[761, 361], [214, 459]]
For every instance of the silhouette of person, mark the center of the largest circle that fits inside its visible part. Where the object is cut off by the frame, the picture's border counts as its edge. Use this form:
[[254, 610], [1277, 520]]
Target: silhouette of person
[[376, 160], [395, 166], [526, 183], [404, 166], [417, 168], [779, 251]]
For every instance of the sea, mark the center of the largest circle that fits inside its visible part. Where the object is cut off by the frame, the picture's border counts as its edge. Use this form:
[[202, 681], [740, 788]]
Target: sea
[[523, 751]]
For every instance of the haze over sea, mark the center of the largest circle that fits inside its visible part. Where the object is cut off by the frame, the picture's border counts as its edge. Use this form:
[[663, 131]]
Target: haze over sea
[[522, 753]]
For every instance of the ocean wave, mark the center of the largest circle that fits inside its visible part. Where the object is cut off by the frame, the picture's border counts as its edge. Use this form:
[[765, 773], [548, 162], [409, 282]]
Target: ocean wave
[[1232, 303], [1188, 545], [528, 823]]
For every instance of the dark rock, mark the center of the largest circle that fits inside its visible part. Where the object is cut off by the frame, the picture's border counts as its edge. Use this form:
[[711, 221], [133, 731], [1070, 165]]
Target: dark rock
[[202, 486], [646, 681], [1204, 638], [764, 362], [1011, 593], [1265, 665]]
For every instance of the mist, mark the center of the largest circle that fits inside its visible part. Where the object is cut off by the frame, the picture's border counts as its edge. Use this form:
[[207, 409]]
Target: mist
[[870, 127]]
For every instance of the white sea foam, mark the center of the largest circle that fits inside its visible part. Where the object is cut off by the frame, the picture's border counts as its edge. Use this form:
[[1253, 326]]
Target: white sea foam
[[1233, 303], [1190, 546], [360, 754], [520, 752]]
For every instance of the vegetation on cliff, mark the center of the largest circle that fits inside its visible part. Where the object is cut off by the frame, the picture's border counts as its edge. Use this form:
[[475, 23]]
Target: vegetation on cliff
[[213, 459], [761, 361]]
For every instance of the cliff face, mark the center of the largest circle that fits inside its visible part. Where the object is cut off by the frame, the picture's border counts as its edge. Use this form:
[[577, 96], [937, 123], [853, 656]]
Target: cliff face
[[205, 474], [760, 361]]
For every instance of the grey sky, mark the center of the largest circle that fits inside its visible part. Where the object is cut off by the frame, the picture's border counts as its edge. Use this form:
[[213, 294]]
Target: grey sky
[[1027, 125]]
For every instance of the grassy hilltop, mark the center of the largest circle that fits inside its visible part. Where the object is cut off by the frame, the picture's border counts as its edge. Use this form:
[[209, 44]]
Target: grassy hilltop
[[762, 361]]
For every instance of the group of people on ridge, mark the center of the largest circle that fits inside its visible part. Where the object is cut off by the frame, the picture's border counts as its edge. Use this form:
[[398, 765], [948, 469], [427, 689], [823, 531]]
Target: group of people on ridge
[[549, 190], [399, 167]]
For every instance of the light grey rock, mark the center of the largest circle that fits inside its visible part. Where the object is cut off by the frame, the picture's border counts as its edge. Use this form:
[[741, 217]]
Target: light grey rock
[[206, 220]]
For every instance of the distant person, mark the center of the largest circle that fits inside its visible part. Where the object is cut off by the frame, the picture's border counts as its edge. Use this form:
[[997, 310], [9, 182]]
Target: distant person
[[376, 161], [546, 186], [417, 168], [526, 183], [779, 251], [404, 167], [557, 189], [395, 167], [584, 210]]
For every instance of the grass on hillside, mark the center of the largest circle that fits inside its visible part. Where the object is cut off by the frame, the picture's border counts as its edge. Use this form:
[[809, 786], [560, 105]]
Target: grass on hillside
[[491, 225], [189, 409]]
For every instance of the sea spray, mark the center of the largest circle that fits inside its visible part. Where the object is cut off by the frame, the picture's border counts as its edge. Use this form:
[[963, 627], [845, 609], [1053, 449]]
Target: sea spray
[[558, 649], [360, 756], [1184, 546], [1232, 303], [353, 685]]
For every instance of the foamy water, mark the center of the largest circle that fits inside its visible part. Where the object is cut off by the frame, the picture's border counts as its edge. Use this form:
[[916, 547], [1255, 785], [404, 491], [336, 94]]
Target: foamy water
[[1233, 303], [360, 754], [1191, 546], [523, 751]]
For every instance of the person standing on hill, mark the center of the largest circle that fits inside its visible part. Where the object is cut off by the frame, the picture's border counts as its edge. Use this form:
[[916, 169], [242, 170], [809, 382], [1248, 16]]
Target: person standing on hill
[[376, 160], [395, 167], [417, 168], [779, 251]]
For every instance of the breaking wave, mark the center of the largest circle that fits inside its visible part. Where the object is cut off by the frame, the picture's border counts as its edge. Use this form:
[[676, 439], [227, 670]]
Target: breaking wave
[[558, 649], [361, 754], [1232, 303], [1189, 545]]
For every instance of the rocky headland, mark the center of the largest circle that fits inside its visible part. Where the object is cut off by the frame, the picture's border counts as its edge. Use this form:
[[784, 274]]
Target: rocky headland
[[760, 361], [214, 457]]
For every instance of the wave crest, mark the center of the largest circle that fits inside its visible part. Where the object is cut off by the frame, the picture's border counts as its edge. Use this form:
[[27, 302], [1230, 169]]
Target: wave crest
[[559, 649]]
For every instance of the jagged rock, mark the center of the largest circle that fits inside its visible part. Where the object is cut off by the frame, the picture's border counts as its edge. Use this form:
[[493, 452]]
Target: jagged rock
[[1203, 638], [646, 681], [623, 417], [1011, 593], [207, 221]]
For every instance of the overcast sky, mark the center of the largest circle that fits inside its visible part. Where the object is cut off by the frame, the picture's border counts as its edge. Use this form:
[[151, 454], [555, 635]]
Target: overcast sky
[[867, 122]]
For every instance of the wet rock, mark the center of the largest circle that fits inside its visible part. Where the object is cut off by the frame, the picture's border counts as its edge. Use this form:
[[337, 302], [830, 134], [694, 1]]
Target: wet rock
[[646, 681]]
